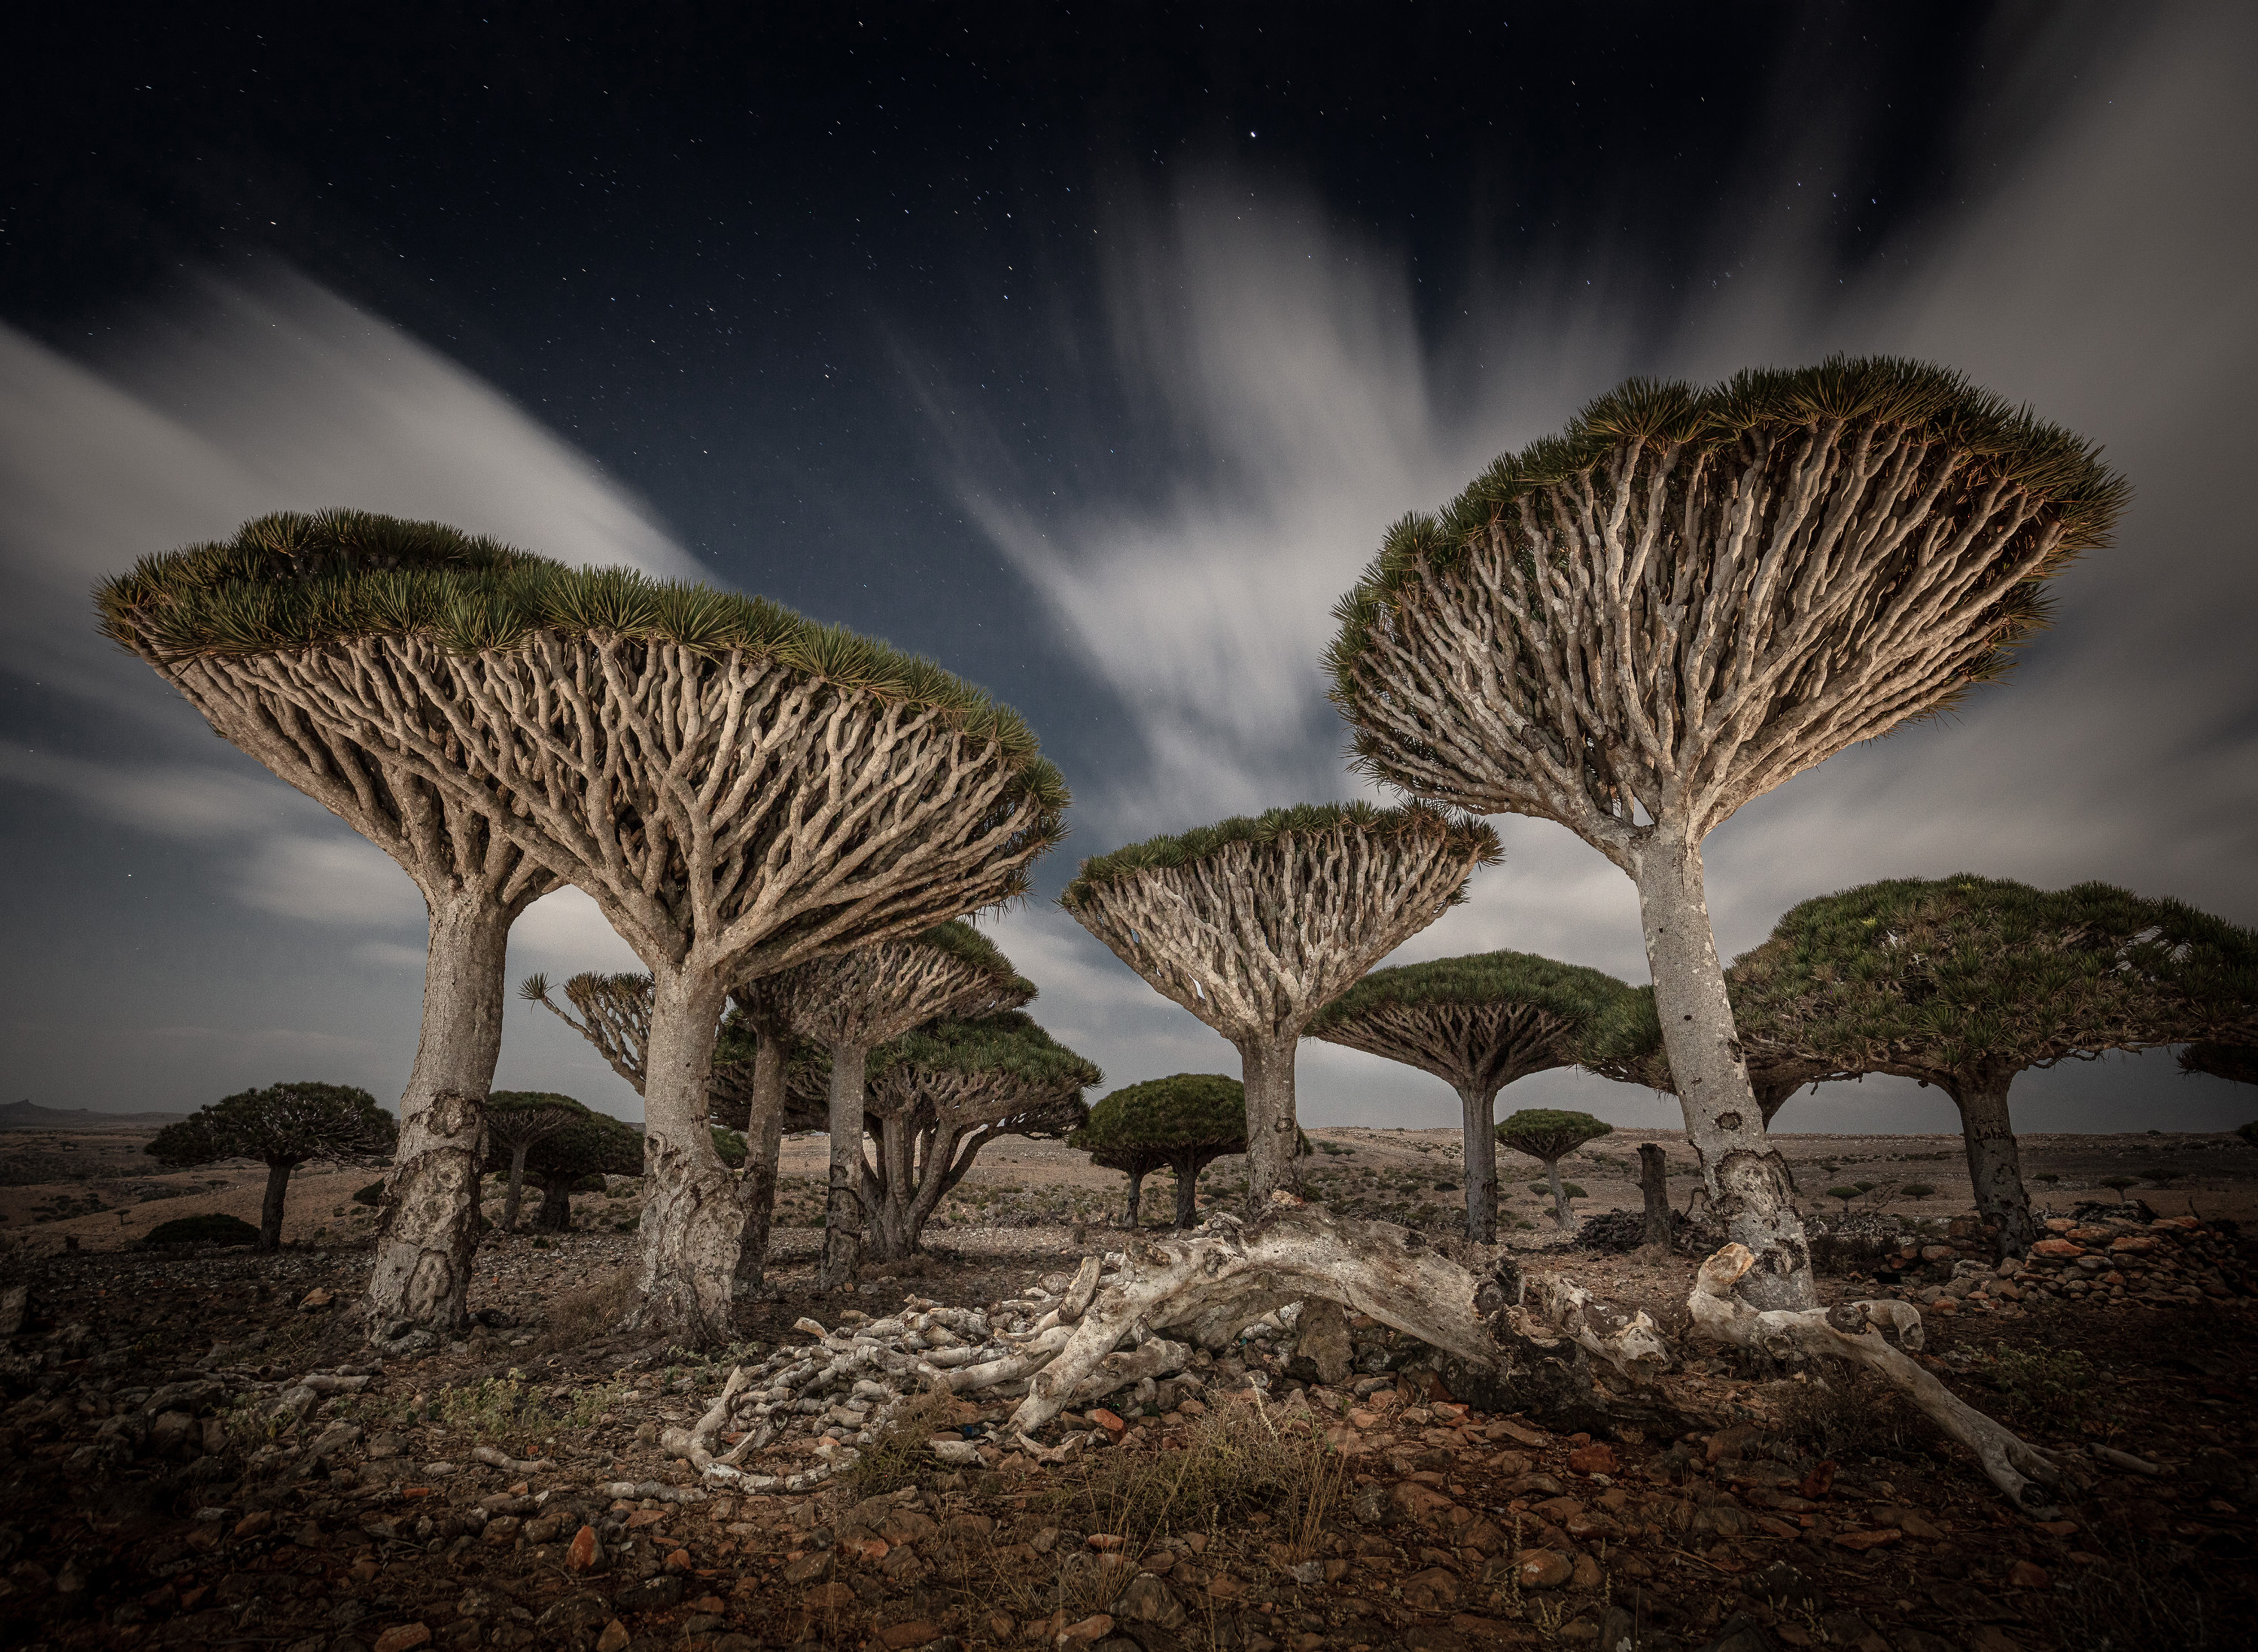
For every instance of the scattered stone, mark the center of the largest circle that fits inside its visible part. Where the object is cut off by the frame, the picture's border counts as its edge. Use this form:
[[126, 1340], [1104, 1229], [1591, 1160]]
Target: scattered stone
[[1597, 1458], [402, 1637], [586, 1553], [614, 1637], [1543, 1569], [1437, 1589]]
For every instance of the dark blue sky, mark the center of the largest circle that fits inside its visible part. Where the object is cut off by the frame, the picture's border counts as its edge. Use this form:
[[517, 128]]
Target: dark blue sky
[[1089, 354]]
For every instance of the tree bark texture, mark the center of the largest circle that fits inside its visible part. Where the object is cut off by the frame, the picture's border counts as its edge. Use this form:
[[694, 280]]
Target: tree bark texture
[[1187, 1174], [756, 1187], [1995, 1165], [691, 1225], [422, 1275], [555, 1214], [1561, 1213], [1746, 1177], [1478, 1113], [843, 1215], [1136, 1196], [1654, 1189], [1273, 1162], [270, 1207]]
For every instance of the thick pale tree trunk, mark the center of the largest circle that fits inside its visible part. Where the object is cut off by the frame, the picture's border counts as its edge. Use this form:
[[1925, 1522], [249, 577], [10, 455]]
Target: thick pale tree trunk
[[1995, 1165], [691, 1226], [1654, 1188], [421, 1274], [517, 1153], [1136, 1194], [842, 1217], [756, 1188], [1746, 1178], [270, 1208], [1479, 1112], [1273, 1164]]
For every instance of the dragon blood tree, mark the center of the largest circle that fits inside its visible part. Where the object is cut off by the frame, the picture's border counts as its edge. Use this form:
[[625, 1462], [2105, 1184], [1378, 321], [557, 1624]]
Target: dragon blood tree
[[2237, 1063], [1549, 1134], [1685, 599], [1182, 1123], [283, 1126], [216, 622], [1255, 925], [577, 1159], [1965, 982], [939, 1094], [850, 1004], [1624, 1043], [759, 1084], [738, 789], [1478, 1023], [516, 1120]]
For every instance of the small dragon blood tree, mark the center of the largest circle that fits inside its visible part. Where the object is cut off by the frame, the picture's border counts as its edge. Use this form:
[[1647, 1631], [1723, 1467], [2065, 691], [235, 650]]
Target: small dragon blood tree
[[233, 627], [939, 1094], [760, 1084], [1548, 1135], [1255, 925], [516, 1120], [282, 1126], [1964, 981], [850, 1004], [576, 1158], [739, 790], [1686, 599], [1182, 1123], [1478, 1023]]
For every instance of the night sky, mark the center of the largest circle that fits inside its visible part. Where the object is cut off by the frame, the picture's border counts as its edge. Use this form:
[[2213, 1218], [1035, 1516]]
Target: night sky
[[1089, 351]]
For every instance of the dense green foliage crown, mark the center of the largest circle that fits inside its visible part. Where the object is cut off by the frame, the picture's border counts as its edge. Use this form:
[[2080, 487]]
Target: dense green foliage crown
[[1963, 971], [1185, 849], [1549, 1133], [1185, 1110], [282, 1123], [293, 581], [1008, 1043], [1570, 991], [1930, 404]]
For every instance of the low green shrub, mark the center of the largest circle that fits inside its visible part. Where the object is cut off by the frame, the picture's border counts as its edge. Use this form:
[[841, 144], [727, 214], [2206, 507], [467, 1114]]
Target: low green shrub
[[212, 1228]]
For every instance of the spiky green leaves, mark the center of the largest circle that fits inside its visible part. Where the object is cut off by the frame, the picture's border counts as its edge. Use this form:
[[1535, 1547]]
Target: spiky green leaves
[[1568, 991], [1185, 1110], [2236, 1062], [283, 1124], [1276, 826], [1968, 975], [1549, 1134], [287, 583], [1689, 596]]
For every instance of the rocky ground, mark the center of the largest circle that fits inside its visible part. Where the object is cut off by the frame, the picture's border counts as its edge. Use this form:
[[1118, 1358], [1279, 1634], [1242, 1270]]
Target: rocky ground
[[198, 1450]]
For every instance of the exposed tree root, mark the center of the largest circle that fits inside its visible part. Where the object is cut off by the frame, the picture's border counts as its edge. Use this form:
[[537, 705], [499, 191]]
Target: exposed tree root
[[1852, 1331]]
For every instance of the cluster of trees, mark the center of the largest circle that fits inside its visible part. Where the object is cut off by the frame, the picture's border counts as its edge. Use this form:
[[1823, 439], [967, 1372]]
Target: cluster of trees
[[1632, 628]]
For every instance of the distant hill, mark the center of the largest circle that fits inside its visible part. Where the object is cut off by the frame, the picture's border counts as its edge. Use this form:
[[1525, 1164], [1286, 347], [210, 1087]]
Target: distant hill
[[32, 1116]]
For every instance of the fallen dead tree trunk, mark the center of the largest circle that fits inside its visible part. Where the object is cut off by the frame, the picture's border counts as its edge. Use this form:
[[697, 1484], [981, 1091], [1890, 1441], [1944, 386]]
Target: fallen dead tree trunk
[[1541, 1345]]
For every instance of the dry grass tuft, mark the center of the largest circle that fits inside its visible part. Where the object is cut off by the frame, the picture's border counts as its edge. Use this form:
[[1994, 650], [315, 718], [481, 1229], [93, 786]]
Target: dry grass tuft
[[897, 1455], [588, 1310]]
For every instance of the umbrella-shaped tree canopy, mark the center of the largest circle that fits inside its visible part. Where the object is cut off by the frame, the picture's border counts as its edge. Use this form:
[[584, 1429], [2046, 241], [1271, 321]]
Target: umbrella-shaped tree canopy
[[1182, 1123], [594, 1145], [209, 619], [1256, 924], [515, 1121], [739, 790], [939, 1094], [1478, 1023], [1624, 1043], [282, 1126], [1684, 599], [851, 1003], [1550, 1135], [1965, 982], [2238, 1063]]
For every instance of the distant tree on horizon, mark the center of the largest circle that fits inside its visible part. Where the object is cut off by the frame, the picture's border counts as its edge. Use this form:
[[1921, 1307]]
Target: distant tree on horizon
[[283, 1126], [515, 1121], [1255, 924], [1678, 603], [1964, 983], [1549, 1134], [1182, 1123], [1479, 1023]]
